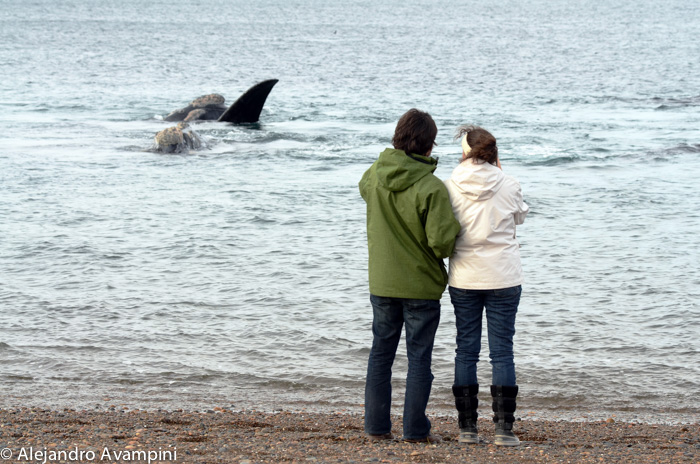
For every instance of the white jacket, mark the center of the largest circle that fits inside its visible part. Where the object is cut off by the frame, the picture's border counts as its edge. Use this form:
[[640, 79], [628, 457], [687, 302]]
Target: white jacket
[[488, 205]]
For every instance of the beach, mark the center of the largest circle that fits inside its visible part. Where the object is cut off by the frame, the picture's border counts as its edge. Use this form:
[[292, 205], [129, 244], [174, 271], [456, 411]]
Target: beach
[[219, 435]]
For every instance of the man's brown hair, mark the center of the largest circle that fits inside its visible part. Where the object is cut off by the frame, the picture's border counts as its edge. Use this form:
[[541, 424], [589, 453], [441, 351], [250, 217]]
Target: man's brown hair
[[415, 132]]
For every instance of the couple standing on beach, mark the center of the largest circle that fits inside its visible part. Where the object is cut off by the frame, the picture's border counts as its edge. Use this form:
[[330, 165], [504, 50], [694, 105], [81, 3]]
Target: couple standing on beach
[[414, 221]]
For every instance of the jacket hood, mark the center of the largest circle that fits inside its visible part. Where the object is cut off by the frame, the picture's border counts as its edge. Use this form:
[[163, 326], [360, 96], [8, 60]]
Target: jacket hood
[[397, 171], [477, 180]]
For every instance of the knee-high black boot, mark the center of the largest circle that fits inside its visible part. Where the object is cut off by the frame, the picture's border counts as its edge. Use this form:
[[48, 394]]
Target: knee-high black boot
[[467, 402], [503, 409]]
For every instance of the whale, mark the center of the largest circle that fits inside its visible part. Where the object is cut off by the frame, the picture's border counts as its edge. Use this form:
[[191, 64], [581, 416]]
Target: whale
[[179, 139], [182, 137], [211, 107]]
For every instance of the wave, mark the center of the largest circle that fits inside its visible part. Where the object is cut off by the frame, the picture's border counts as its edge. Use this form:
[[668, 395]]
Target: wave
[[674, 103], [262, 220], [685, 148], [659, 103], [602, 156], [556, 160], [666, 154], [19, 378]]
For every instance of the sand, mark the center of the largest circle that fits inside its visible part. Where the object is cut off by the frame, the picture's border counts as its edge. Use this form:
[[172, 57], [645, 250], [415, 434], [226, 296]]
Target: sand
[[247, 437]]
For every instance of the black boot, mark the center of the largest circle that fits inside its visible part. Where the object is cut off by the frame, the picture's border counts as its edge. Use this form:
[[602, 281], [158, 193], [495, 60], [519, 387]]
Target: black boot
[[467, 403], [503, 409]]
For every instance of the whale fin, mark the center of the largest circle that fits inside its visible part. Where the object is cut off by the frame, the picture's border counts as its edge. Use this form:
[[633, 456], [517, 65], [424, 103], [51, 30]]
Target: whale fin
[[249, 105]]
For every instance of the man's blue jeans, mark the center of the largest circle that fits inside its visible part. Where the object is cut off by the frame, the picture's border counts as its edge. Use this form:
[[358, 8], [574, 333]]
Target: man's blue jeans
[[501, 306], [421, 318]]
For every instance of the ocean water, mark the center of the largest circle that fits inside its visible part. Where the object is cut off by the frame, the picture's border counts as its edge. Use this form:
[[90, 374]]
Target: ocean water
[[236, 275]]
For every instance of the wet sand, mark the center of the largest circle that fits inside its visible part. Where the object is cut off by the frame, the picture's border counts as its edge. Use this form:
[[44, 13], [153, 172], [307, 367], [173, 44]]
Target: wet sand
[[247, 437]]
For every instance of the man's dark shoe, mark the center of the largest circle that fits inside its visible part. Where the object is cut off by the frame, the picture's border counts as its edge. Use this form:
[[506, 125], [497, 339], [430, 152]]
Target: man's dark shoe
[[381, 437], [428, 439]]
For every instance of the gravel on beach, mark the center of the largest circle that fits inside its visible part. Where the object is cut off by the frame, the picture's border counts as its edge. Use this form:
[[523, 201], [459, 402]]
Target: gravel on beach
[[246, 437]]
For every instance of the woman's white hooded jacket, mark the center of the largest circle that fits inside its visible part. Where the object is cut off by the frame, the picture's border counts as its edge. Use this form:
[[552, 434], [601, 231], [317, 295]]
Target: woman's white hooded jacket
[[488, 205]]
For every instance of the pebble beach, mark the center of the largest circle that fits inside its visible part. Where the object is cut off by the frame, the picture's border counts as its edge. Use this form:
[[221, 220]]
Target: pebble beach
[[246, 437]]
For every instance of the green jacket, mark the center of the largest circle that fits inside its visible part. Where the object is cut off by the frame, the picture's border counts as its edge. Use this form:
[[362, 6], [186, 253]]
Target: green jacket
[[410, 226]]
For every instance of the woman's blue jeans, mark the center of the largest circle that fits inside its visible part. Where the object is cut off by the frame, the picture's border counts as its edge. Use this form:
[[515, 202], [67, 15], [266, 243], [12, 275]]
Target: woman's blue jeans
[[421, 318], [501, 306]]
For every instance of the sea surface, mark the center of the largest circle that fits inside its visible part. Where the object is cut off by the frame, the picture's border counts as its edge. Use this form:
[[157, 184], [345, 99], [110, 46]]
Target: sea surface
[[236, 275]]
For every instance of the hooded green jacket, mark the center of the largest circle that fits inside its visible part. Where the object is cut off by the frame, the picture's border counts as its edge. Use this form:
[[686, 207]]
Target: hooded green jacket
[[410, 226]]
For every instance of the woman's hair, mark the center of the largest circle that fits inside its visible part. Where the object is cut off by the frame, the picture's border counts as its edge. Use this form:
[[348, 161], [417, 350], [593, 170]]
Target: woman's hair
[[415, 132], [482, 143]]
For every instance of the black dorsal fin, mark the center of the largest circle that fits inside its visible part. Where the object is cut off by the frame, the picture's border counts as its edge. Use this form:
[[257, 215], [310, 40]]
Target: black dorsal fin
[[249, 105]]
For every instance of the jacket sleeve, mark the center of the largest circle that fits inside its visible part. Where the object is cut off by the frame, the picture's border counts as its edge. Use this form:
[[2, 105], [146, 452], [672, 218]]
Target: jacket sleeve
[[441, 227], [521, 208], [362, 185]]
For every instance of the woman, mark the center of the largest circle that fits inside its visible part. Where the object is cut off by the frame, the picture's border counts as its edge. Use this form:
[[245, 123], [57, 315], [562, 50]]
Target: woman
[[485, 272]]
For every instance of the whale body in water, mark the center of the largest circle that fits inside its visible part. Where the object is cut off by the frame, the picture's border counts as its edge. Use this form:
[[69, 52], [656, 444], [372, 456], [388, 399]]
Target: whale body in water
[[211, 107], [183, 138], [178, 139]]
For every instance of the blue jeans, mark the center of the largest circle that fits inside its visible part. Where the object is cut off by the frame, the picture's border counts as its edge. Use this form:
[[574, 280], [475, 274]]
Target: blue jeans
[[421, 318], [501, 306]]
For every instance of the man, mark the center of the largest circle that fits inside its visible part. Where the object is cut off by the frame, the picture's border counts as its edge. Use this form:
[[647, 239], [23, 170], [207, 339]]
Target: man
[[410, 230]]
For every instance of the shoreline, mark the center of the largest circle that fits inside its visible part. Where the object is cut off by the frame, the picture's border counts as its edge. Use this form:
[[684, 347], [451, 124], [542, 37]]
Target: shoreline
[[249, 436], [117, 401]]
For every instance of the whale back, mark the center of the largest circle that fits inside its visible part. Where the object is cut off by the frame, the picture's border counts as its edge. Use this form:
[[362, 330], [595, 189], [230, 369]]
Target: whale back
[[249, 105], [206, 107], [179, 115]]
